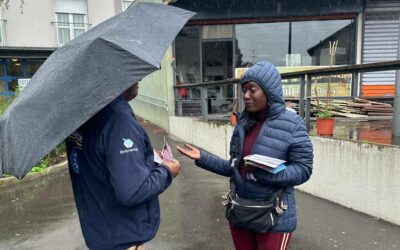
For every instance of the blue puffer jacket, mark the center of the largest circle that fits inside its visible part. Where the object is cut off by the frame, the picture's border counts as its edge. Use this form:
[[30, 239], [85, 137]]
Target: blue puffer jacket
[[283, 135]]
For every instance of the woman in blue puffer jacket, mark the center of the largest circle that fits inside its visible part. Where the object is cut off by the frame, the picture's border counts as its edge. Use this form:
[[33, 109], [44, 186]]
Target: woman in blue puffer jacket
[[267, 128]]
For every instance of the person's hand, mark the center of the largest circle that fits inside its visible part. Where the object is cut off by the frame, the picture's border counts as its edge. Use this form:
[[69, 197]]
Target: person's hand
[[174, 166], [189, 151]]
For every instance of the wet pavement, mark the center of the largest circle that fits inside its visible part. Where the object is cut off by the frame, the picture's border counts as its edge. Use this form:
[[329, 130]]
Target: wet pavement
[[41, 214]]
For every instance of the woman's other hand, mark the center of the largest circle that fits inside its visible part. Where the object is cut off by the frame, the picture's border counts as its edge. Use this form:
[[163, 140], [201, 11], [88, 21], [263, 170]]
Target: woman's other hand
[[189, 151]]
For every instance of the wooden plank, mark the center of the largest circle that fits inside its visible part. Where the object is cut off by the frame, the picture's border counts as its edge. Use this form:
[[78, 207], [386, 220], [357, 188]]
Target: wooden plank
[[379, 114], [349, 115]]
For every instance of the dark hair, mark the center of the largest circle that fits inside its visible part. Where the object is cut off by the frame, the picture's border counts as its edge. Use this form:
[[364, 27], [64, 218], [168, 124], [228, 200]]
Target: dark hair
[[250, 122], [252, 118]]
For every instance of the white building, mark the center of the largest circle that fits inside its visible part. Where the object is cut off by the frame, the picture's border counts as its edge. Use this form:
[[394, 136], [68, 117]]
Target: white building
[[30, 32]]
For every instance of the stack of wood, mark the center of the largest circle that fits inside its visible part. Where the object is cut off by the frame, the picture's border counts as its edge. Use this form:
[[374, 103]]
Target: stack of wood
[[357, 108], [372, 108]]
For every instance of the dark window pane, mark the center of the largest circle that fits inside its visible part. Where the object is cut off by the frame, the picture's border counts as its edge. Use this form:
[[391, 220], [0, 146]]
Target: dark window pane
[[1, 70], [14, 68], [32, 68], [2, 86], [217, 65], [217, 60], [13, 85], [187, 55], [313, 48], [262, 41]]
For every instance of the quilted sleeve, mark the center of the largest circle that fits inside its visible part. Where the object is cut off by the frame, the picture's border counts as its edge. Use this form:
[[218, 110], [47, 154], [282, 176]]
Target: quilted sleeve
[[299, 162], [214, 164]]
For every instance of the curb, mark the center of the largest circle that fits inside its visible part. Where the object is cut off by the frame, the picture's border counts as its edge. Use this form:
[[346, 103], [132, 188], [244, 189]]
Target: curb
[[31, 176]]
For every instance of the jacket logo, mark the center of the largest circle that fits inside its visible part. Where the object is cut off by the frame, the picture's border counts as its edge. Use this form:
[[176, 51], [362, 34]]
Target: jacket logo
[[128, 143], [73, 160], [129, 146]]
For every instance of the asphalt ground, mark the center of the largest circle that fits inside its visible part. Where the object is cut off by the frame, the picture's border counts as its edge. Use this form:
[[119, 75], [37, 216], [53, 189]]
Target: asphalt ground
[[39, 213]]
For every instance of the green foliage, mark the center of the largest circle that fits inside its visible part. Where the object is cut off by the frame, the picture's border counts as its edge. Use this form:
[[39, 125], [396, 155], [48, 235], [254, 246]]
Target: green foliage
[[41, 166], [55, 156], [3, 104], [6, 101], [324, 113]]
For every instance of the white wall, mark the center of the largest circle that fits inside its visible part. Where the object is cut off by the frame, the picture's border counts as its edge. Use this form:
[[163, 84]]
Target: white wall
[[362, 176], [99, 11], [210, 136], [33, 27]]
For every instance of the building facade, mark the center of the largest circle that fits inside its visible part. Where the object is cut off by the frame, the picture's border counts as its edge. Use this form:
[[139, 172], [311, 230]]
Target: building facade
[[30, 32], [220, 42], [229, 35]]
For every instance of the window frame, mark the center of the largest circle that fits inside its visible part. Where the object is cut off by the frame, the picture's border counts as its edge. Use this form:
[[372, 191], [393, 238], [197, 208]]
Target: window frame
[[2, 29], [125, 4], [70, 25]]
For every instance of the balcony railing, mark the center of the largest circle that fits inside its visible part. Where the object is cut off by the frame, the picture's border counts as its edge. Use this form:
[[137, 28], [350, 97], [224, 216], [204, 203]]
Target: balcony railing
[[304, 79]]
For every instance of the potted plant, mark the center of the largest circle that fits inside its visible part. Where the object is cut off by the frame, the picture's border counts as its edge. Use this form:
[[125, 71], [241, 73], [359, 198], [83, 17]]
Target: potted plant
[[325, 119], [325, 122]]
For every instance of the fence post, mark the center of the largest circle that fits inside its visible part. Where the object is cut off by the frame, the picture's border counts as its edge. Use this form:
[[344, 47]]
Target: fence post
[[178, 98], [308, 102], [354, 84], [302, 93], [396, 104], [396, 112], [204, 101]]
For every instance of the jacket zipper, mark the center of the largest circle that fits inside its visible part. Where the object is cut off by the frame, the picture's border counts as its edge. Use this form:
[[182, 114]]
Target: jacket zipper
[[251, 206]]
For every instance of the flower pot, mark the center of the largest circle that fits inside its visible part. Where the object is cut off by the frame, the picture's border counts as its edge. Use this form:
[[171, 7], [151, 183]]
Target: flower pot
[[233, 119], [325, 126]]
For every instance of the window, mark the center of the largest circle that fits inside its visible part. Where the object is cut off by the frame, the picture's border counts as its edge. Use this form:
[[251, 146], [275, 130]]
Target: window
[[2, 39], [302, 43], [187, 55], [126, 3], [261, 41], [69, 26], [13, 70], [313, 48]]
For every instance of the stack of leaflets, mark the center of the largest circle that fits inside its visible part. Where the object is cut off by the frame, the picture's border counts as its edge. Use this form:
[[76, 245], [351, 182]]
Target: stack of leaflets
[[165, 154], [272, 165]]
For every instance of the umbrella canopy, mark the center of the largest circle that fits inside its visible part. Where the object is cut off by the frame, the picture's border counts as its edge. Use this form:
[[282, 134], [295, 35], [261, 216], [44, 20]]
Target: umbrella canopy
[[82, 77]]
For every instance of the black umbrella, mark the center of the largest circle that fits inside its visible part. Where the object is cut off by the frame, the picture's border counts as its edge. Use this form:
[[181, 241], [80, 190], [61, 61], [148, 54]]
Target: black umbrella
[[82, 77]]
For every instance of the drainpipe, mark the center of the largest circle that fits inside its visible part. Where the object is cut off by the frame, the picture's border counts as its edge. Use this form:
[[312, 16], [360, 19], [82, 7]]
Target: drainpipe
[[396, 103]]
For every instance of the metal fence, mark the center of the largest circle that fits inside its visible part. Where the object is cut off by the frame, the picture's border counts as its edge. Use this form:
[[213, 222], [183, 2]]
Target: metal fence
[[201, 103]]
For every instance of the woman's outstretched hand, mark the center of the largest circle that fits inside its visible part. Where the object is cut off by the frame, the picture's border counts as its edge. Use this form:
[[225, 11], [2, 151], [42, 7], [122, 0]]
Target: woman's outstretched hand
[[189, 151]]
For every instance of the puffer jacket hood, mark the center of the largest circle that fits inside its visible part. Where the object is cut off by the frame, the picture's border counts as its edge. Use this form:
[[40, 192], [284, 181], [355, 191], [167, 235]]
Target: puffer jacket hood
[[267, 76]]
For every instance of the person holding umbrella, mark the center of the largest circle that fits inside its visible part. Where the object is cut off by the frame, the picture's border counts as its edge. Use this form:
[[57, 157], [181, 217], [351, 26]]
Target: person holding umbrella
[[81, 93], [115, 180], [261, 205]]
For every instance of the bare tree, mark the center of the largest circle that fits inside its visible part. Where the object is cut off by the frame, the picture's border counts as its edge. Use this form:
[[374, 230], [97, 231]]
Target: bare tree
[[6, 4]]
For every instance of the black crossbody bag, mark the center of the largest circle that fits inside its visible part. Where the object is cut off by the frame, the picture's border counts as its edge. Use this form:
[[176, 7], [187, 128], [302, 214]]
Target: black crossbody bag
[[253, 215]]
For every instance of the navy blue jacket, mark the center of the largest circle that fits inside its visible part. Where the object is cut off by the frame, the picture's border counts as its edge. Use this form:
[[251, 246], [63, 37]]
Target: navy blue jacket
[[115, 180], [283, 135]]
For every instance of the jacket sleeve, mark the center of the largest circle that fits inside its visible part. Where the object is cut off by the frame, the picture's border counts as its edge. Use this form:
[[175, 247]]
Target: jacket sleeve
[[133, 179], [214, 164], [299, 162]]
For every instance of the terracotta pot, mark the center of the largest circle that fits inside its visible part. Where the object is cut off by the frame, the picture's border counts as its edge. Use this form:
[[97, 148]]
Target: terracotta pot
[[325, 126], [233, 119]]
